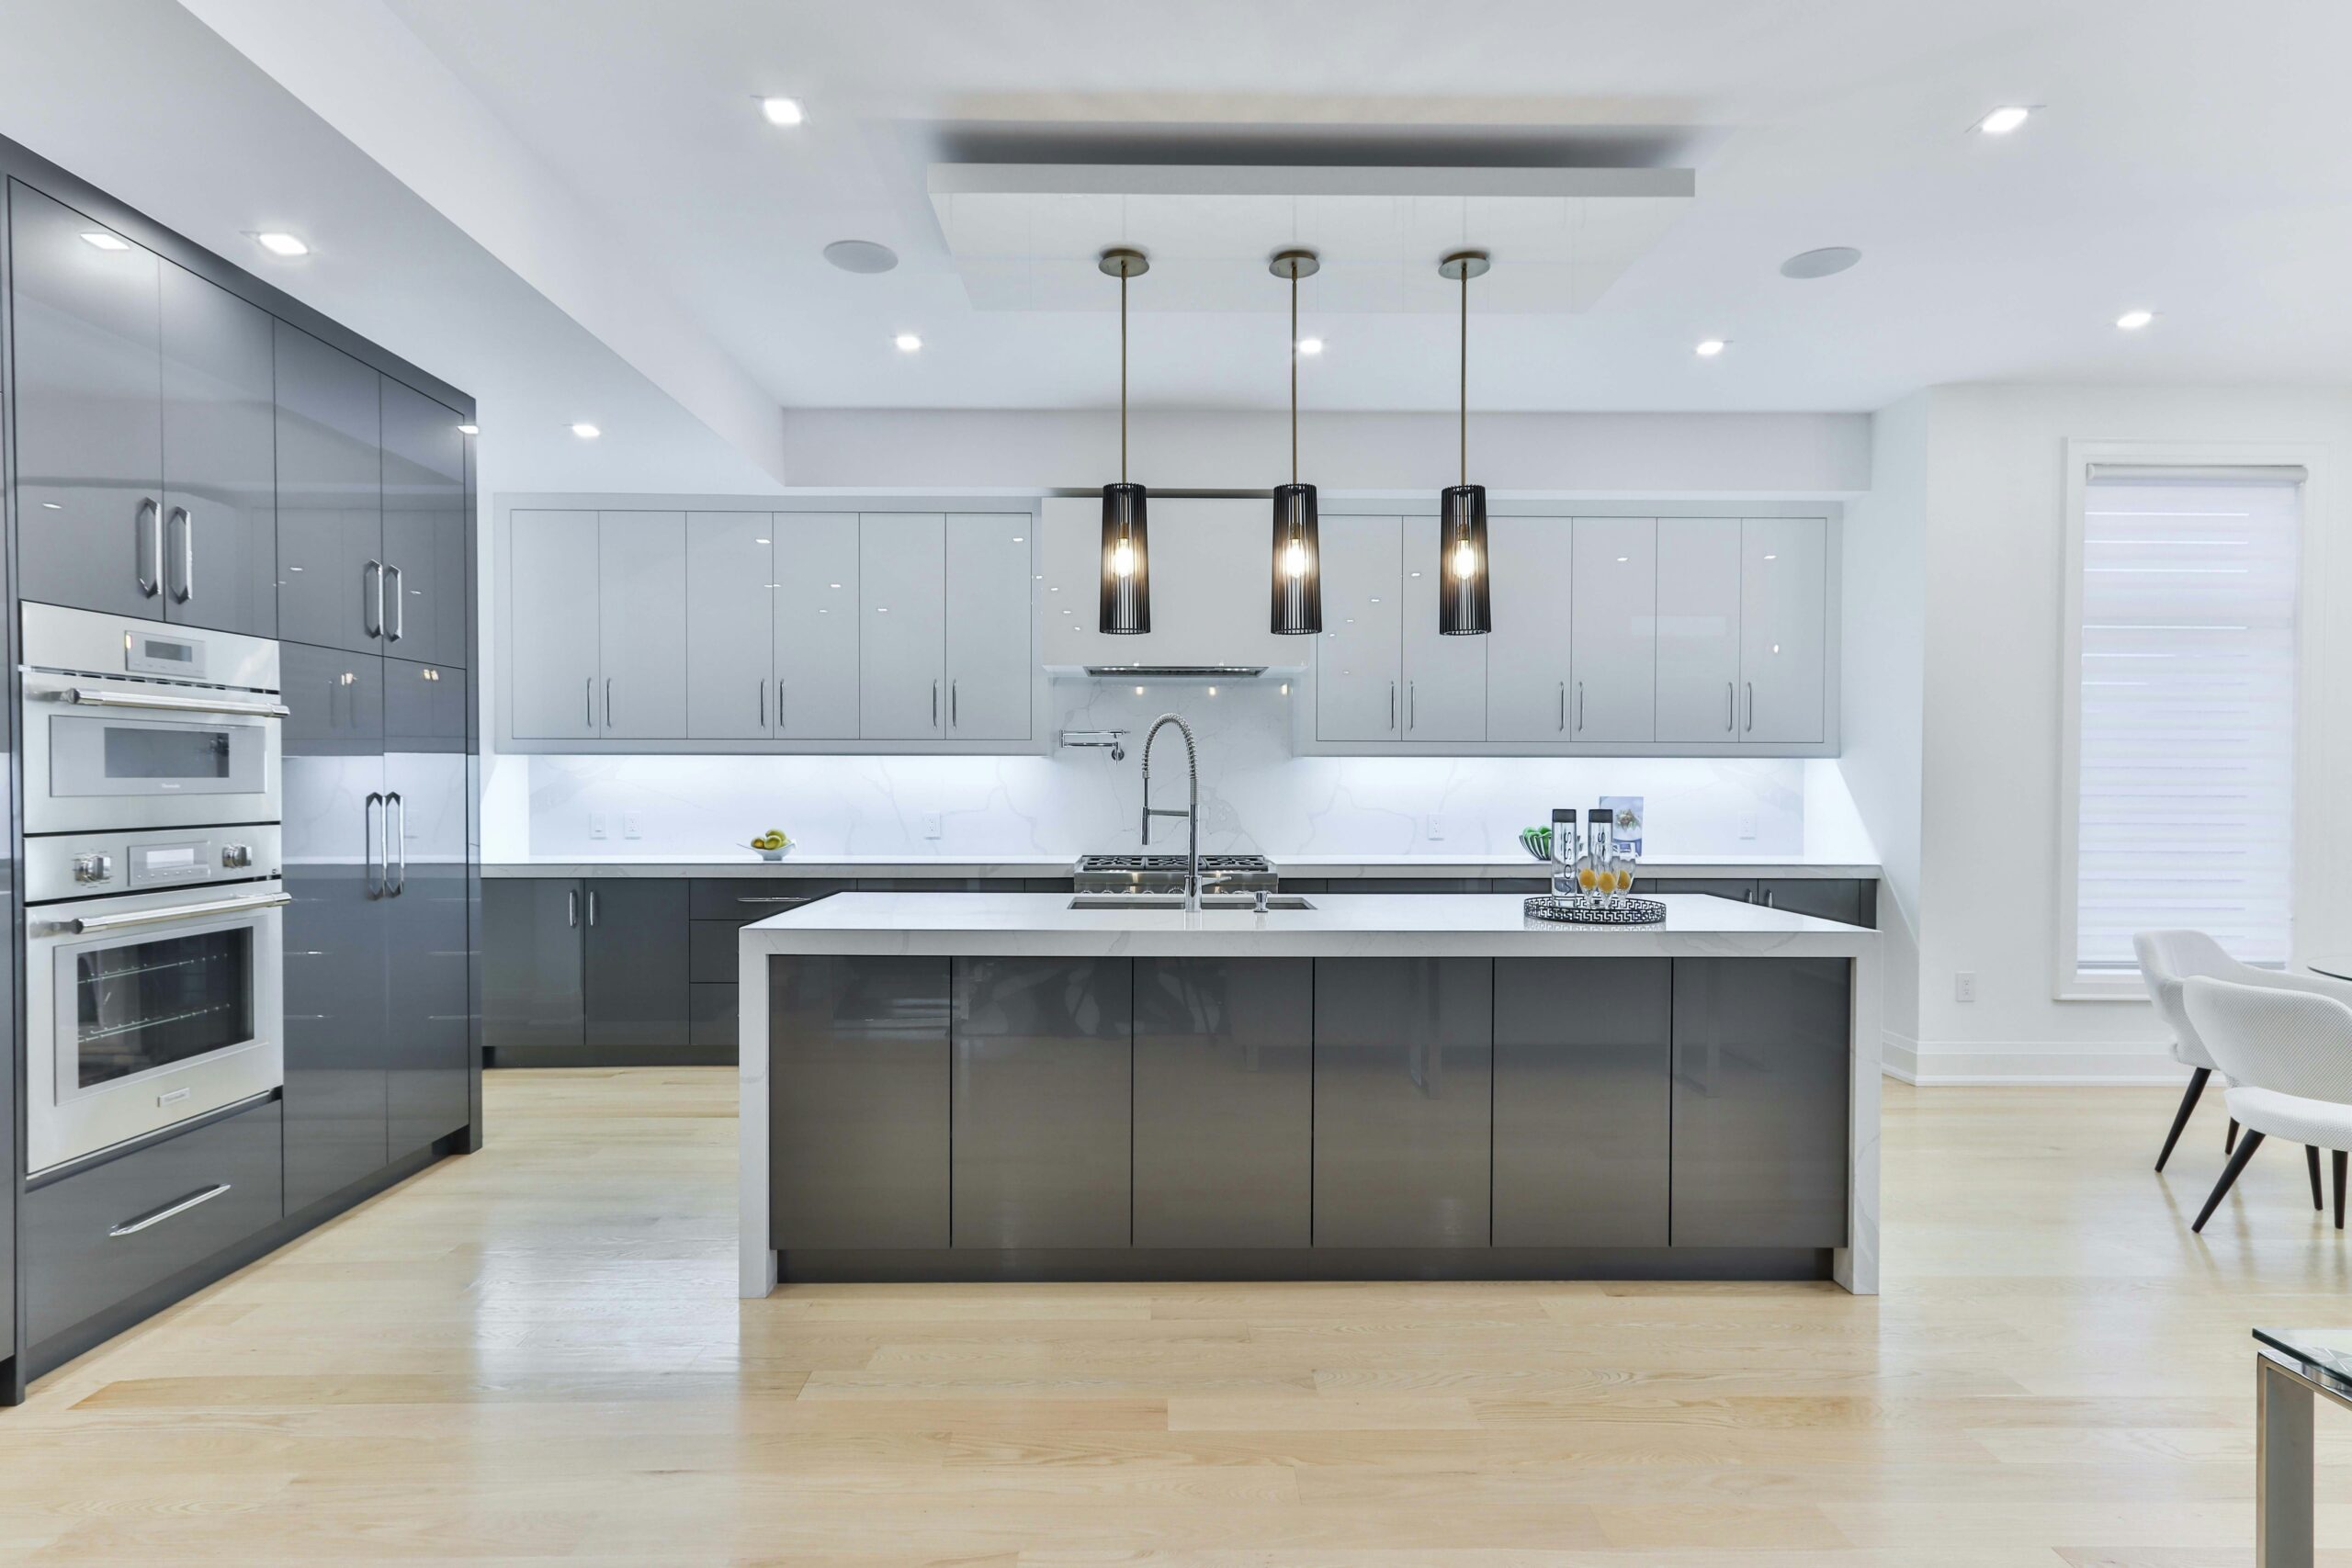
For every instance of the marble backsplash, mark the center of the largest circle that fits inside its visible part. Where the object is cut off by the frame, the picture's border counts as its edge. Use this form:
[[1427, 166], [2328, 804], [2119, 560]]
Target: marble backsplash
[[1255, 795]]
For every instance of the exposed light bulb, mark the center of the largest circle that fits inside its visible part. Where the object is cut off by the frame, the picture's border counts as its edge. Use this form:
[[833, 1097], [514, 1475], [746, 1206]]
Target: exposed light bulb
[[1465, 560], [1295, 559], [1123, 560]]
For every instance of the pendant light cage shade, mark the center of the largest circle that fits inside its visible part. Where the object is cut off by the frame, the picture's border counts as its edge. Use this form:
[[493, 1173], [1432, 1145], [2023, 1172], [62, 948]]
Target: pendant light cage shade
[[1298, 562], [1126, 562], [1464, 607]]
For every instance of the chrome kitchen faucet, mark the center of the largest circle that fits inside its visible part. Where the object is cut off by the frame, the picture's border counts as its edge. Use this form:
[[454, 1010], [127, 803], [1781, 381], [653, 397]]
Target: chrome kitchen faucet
[[1192, 812]]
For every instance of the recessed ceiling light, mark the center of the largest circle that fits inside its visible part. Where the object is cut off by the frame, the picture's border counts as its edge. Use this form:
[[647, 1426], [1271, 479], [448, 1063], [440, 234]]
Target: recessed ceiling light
[[279, 244], [908, 343], [2133, 320], [1710, 347], [2002, 120], [104, 240], [1310, 345], [470, 430], [585, 431], [781, 111], [860, 255], [1823, 263]]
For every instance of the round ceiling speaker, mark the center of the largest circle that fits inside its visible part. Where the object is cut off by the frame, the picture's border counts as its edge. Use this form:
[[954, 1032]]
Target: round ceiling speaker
[[860, 255], [1823, 263]]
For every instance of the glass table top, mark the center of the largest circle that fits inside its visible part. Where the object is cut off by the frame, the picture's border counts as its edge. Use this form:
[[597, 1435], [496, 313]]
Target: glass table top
[[2325, 1353]]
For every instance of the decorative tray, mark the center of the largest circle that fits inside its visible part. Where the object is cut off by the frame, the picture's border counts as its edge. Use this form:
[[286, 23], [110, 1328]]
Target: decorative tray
[[1575, 910]]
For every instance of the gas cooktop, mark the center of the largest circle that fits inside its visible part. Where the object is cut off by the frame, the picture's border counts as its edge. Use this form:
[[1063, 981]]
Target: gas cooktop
[[1154, 872]]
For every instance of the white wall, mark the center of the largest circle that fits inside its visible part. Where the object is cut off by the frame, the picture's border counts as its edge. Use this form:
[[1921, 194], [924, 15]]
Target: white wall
[[1992, 570], [1665, 455], [1882, 680]]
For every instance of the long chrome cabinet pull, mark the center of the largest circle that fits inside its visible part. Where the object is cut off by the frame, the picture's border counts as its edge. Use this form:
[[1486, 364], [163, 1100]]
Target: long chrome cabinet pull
[[398, 835], [1731, 707], [1564, 705], [935, 705], [398, 620], [372, 598], [764, 705], [1580, 708], [801, 900], [955, 704], [591, 906], [1751, 706], [1412, 705], [608, 701], [779, 708], [372, 830], [161, 702], [572, 908], [88, 924], [176, 1207], [1392, 704], [185, 590], [588, 701], [147, 540]]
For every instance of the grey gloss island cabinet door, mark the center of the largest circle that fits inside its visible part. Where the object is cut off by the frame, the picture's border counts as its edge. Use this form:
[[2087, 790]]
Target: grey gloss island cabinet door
[[902, 644], [1404, 1103], [552, 605], [990, 669], [817, 659], [1224, 1101], [330, 496], [1359, 659], [641, 624], [1584, 1051], [1043, 1102], [425, 563], [1762, 1080], [860, 1140], [425, 913], [534, 976], [730, 593]]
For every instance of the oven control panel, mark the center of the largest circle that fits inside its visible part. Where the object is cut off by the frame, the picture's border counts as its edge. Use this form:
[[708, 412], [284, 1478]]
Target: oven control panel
[[82, 865]]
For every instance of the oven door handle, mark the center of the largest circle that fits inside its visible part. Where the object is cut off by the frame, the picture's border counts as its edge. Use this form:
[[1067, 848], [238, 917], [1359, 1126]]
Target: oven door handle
[[162, 704], [92, 924]]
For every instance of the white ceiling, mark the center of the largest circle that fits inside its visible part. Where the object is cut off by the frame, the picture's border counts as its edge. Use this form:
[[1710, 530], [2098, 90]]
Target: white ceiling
[[2189, 156]]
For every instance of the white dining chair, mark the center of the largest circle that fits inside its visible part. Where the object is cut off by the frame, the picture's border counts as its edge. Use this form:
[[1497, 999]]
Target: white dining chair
[[2287, 1054]]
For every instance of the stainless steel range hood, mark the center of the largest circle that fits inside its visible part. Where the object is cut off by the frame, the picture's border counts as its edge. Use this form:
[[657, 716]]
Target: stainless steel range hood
[[1211, 567], [1174, 671]]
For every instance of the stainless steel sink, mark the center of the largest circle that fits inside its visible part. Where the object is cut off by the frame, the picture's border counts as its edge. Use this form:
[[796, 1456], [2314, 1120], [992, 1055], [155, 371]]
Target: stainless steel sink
[[1243, 901]]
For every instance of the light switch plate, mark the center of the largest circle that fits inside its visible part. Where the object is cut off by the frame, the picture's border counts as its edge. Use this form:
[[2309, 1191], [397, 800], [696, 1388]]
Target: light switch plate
[[932, 827], [596, 825], [1747, 825], [1434, 828], [1963, 985]]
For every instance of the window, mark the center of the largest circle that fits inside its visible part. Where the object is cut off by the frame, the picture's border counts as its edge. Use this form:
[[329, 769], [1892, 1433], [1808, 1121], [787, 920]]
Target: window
[[2184, 732]]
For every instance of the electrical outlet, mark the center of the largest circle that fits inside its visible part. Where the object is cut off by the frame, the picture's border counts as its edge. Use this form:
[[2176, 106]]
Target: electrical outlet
[[1433, 829], [632, 827], [1963, 985], [1748, 824], [932, 825]]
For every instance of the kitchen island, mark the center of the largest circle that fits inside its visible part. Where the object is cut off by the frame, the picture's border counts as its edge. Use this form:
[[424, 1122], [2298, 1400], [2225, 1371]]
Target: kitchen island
[[966, 1086]]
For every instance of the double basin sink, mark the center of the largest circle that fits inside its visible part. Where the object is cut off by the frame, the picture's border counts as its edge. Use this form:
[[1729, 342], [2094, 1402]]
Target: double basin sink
[[1243, 901]]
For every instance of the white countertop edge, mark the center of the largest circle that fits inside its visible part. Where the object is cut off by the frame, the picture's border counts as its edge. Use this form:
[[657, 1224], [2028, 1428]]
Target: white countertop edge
[[1301, 867]]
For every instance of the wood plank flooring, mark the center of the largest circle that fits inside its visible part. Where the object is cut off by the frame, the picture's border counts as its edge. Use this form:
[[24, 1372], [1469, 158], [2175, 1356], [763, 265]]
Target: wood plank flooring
[[534, 1354]]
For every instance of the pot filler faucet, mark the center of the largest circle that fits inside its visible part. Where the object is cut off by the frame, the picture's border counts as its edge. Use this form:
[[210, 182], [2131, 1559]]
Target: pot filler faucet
[[1192, 812]]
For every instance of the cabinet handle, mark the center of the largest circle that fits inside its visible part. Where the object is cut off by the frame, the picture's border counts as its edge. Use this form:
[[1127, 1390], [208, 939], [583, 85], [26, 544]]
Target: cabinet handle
[[1768, 898], [1412, 705], [1751, 707], [572, 908], [1731, 708], [803, 900], [1580, 708], [400, 611], [588, 701], [371, 597], [608, 701], [176, 1207], [1563, 706], [779, 708], [764, 705], [955, 704], [147, 543], [592, 907], [397, 835], [186, 588], [1392, 704], [372, 830], [935, 705]]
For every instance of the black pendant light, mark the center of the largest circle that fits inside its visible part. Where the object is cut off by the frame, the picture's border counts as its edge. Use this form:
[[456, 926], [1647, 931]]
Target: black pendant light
[[1127, 556], [1298, 555], [1463, 607]]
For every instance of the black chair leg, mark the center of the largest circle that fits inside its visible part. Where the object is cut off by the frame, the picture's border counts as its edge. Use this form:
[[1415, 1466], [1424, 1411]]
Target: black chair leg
[[2244, 1152], [2180, 1118], [2311, 1157], [2341, 1158], [2230, 1142]]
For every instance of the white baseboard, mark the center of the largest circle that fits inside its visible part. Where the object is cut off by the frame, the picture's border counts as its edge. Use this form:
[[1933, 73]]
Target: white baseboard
[[1938, 1064]]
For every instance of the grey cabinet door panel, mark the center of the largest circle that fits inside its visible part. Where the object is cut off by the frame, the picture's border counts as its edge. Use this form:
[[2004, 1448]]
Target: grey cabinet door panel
[[1584, 1051], [902, 644], [86, 1248], [641, 624], [337, 981], [426, 1091], [636, 950], [1043, 1102], [1762, 1084], [1852, 900], [1404, 1106], [1224, 1101], [532, 975], [219, 459], [990, 671], [330, 496], [712, 956], [1445, 677], [1739, 889], [712, 1016], [859, 1069], [817, 600], [424, 528], [1359, 659], [730, 593], [89, 410], [551, 604]]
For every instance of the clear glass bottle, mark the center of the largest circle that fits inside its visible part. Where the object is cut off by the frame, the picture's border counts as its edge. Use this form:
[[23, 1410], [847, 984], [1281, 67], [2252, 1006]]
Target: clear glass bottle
[[1593, 874], [1564, 853]]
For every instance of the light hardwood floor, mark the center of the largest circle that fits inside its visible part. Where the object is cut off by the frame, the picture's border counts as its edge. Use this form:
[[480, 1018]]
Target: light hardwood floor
[[535, 1355]]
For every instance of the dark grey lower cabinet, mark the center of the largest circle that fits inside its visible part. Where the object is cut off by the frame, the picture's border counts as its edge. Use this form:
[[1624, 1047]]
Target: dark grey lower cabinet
[[1224, 1101], [713, 1028], [1584, 1054], [1828, 898], [534, 984], [1761, 1090], [859, 1075], [1043, 1099], [636, 954], [1404, 1104], [427, 1077], [588, 974]]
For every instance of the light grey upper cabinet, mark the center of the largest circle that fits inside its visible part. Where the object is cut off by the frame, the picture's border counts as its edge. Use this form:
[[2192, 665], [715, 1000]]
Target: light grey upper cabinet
[[1530, 655], [1614, 616], [817, 665], [1784, 595], [730, 586], [1698, 628], [1359, 659], [902, 649], [329, 497], [1445, 677], [424, 528], [551, 609], [989, 667], [642, 621]]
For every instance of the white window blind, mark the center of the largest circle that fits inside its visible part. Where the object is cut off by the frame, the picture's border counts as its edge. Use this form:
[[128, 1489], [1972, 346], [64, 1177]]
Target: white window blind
[[2186, 768]]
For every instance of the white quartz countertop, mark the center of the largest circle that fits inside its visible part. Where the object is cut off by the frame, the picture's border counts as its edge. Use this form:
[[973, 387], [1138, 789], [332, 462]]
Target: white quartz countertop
[[1339, 925], [1303, 867]]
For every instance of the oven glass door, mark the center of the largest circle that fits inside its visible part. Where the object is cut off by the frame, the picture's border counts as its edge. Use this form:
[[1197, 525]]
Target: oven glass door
[[98, 754], [153, 1000]]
